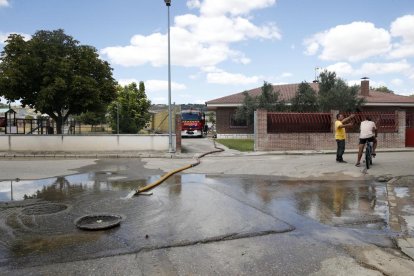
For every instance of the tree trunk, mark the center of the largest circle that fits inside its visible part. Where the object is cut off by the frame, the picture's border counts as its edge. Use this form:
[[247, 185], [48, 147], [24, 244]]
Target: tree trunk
[[59, 125]]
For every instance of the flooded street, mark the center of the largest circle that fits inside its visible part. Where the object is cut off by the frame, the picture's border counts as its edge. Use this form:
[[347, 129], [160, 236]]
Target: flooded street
[[280, 224]]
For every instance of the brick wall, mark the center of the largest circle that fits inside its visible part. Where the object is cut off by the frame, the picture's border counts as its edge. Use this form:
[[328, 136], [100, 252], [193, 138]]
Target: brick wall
[[223, 126], [319, 141]]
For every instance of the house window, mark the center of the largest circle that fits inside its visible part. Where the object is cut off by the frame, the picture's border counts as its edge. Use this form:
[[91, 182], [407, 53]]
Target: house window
[[237, 123]]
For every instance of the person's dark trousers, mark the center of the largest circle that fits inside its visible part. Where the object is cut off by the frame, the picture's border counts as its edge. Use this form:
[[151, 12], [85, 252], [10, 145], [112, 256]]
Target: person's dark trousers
[[340, 149]]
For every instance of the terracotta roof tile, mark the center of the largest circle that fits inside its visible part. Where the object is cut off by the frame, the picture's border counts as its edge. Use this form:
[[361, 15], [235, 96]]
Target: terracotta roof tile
[[288, 91], [381, 97]]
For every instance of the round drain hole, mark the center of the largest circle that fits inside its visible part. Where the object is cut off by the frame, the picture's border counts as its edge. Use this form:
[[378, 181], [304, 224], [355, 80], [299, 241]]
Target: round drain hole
[[98, 221], [44, 209]]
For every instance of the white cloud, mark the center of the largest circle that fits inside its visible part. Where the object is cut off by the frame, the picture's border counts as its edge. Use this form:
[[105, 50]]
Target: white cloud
[[223, 29], [405, 92], [372, 83], [185, 51], [197, 41], [341, 68], [403, 27], [344, 69], [4, 3], [193, 4], [384, 68], [124, 82], [161, 85], [154, 85], [402, 50], [352, 42], [200, 101], [286, 75], [312, 47], [233, 7], [397, 82], [159, 100], [218, 76]]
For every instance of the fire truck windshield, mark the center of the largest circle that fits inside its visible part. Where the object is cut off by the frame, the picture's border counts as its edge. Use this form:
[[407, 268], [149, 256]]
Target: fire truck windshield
[[191, 116]]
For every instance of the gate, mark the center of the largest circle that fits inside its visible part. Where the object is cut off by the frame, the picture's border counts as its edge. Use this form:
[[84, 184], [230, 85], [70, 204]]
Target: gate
[[409, 132]]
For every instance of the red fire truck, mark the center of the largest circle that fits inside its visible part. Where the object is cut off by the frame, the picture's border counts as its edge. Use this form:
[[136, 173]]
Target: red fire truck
[[193, 123]]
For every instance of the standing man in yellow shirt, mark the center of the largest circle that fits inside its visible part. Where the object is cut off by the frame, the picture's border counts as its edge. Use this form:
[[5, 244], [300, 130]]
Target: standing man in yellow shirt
[[340, 135]]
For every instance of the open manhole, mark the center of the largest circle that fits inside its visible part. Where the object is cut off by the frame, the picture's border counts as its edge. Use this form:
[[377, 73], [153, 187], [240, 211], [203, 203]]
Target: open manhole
[[44, 209], [98, 221]]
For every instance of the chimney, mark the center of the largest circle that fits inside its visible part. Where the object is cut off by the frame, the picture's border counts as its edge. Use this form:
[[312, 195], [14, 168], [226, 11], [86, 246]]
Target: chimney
[[365, 86]]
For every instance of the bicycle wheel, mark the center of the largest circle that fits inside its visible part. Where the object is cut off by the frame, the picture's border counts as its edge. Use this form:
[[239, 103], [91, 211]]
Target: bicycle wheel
[[368, 156]]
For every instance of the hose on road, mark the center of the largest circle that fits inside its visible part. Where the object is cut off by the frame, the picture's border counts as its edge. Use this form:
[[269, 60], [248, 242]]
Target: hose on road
[[167, 175]]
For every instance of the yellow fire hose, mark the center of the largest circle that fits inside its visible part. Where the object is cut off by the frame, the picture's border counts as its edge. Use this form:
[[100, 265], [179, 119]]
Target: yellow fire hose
[[167, 175]]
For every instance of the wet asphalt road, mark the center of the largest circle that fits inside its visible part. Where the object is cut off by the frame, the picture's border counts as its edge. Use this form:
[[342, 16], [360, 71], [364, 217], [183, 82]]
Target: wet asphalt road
[[201, 222]]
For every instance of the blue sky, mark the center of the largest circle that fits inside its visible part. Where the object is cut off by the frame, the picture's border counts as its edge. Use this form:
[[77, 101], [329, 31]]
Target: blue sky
[[221, 47]]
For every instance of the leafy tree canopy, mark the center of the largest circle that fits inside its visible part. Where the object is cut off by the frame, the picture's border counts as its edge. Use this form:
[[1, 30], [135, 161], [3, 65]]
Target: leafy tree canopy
[[92, 118], [335, 94], [131, 107], [268, 100], [383, 89], [56, 75], [305, 100]]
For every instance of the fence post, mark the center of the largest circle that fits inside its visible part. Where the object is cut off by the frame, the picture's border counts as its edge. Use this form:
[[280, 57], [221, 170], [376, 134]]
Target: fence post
[[260, 129], [255, 130], [401, 127]]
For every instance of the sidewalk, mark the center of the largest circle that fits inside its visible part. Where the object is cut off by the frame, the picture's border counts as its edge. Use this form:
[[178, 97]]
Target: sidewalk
[[160, 154]]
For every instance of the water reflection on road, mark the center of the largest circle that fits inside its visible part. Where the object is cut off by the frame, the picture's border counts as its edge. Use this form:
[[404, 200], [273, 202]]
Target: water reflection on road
[[186, 208], [340, 203], [330, 202], [66, 187]]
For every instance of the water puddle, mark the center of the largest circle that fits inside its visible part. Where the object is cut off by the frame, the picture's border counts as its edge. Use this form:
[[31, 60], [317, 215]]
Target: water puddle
[[186, 207], [401, 192], [344, 203], [338, 203], [66, 187]]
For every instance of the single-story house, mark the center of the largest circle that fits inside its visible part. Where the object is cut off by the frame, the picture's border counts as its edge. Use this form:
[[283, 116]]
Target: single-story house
[[225, 107]]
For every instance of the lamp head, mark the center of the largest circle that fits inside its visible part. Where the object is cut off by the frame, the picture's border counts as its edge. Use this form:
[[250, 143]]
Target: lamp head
[[167, 2]]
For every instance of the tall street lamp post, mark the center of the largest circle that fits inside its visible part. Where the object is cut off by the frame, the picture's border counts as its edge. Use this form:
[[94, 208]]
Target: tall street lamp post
[[117, 118], [170, 147]]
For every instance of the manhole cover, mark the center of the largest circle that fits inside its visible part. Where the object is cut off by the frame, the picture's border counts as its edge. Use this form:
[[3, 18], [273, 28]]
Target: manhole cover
[[98, 221], [44, 209]]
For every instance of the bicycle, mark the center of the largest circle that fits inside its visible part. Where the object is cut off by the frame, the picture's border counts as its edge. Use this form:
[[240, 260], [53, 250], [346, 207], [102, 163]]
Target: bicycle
[[368, 154]]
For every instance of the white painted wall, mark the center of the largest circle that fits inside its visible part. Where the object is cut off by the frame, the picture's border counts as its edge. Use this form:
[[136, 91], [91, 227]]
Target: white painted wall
[[84, 143]]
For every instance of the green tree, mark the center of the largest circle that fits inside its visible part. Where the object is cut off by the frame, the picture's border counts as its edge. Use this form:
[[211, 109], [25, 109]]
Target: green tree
[[56, 75], [92, 118], [245, 112], [335, 94], [383, 89], [132, 107], [211, 117], [268, 100], [305, 99]]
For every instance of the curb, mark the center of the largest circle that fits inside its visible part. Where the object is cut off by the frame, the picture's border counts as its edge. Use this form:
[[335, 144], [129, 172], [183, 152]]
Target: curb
[[106, 155]]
